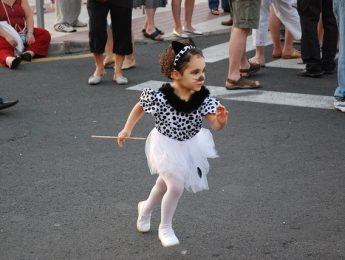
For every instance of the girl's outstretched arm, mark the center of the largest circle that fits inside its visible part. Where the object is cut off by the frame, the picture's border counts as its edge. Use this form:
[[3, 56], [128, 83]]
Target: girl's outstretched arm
[[133, 118], [218, 120]]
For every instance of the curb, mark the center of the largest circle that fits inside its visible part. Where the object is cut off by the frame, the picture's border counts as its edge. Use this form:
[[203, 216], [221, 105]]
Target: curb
[[73, 47]]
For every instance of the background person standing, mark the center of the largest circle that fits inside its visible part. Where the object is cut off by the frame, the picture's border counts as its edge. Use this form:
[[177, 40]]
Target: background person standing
[[67, 13], [339, 95], [309, 12]]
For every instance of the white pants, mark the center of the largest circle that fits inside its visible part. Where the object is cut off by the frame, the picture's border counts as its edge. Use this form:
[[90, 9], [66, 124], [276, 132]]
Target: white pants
[[285, 11], [67, 11]]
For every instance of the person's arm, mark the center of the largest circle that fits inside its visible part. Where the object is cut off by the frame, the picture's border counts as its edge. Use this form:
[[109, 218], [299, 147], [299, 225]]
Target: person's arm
[[29, 20], [8, 37], [133, 118], [218, 120]]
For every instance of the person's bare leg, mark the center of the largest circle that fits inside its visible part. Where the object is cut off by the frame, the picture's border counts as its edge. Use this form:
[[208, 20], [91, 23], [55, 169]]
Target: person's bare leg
[[237, 48], [244, 60], [109, 55], [274, 27], [288, 43], [188, 14], [129, 61], [238, 60], [259, 55], [150, 22], [176, 13], [320, 31], [99, 71], [118, 65]]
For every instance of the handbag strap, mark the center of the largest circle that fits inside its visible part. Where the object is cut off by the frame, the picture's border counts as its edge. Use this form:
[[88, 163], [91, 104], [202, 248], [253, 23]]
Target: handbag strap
[[9, 21]]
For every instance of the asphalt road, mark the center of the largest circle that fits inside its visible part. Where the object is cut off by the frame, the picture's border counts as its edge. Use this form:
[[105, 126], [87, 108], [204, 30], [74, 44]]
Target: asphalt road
[[276, 191]]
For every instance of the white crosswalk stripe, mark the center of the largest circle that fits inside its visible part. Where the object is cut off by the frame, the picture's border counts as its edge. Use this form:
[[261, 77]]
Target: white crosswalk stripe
[[220, 52], [257, 96]]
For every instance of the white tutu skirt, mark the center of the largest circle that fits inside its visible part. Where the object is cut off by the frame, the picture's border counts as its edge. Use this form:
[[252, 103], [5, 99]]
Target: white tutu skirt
[[187, 160]]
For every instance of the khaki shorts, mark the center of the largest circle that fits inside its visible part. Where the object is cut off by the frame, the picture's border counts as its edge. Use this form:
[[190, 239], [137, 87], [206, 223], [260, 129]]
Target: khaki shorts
[[245, 13]]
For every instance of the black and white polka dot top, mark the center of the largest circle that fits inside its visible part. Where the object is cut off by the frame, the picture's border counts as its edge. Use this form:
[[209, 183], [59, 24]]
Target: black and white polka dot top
[[176, 118]]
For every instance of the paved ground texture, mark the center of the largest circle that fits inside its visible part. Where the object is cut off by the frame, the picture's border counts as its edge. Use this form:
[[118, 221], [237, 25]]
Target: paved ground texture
[[276, 191]]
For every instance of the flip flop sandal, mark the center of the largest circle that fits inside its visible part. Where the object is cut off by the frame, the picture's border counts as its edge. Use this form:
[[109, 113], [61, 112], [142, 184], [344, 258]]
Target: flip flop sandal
[[242, 83], [153, 36], [160, 31], [253, 68]]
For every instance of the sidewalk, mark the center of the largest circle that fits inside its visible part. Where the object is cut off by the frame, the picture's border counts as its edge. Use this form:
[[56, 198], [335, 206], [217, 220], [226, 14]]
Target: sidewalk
[[67, 43]]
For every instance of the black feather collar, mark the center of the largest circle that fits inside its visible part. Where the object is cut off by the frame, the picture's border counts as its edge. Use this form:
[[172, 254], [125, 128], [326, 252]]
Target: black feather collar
[[180, 105]]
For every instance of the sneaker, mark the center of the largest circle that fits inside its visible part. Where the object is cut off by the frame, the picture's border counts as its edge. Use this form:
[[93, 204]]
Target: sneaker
[[78, 24], [143, 222], [339, 103], [167, 237], [64, 27]]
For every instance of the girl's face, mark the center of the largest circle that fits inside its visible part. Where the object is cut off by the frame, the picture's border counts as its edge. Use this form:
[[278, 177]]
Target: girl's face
[[193, 76]]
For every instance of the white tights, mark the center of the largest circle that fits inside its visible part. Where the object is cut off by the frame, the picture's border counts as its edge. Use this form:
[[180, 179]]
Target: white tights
[[167, 189]]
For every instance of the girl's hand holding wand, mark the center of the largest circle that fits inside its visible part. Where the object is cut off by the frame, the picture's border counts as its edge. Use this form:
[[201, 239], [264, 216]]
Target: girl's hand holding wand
[[122, 136], [134, 116]]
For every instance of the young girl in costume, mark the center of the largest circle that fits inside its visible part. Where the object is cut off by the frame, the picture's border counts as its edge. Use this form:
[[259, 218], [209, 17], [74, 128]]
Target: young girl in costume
[[178, 147]]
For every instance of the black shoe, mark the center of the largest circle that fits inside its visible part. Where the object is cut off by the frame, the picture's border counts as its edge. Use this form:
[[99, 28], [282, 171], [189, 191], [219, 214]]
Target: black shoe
[[312, 74], [6, 104], [26, 56], [15, 63], [328, 68], [228, 22]]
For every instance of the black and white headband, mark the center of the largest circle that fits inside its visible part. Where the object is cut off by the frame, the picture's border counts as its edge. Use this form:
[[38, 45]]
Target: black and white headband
[[180, 49]]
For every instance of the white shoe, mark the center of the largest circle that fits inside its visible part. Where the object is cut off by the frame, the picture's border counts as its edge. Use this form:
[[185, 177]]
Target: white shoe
[[167, 237], [95, 80], [196, 32], [79, 24], [143, 222], [181, 35], [64, 27], [121, 80], [339, 103]]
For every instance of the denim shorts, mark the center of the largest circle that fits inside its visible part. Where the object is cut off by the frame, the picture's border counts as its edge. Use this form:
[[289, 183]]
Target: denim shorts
[[245, 13]]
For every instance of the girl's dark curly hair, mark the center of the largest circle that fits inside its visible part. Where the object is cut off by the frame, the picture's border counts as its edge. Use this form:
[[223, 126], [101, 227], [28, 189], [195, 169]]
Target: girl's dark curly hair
[[166, 59]]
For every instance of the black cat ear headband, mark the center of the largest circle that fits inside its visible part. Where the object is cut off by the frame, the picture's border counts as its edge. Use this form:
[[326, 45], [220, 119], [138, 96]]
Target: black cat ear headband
[[180, 49]]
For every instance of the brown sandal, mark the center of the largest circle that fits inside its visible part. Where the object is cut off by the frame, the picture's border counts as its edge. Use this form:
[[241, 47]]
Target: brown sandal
[[253, 68], [215, 11], [242, 83]]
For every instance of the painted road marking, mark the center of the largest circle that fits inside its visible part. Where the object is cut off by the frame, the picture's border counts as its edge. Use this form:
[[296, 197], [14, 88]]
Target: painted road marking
[[220, 52], [257, 96], [286, 64], [65, 57]]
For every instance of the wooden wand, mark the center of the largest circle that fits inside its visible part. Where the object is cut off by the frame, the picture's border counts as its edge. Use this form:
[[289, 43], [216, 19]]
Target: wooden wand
[[116, 137]]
